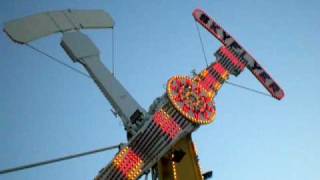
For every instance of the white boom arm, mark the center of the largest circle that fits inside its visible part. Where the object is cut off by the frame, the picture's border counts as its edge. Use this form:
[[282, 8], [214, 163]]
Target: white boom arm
[[81, 49]]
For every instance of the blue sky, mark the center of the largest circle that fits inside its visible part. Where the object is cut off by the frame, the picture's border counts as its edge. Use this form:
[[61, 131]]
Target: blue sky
[[48, 111]]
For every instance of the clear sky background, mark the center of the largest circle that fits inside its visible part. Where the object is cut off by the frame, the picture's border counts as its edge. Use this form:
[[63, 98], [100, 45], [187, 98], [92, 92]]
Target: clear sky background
[[47, 111]]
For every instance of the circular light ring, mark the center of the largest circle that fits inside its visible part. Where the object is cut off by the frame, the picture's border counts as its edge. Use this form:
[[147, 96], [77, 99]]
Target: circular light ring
[[191, 99]]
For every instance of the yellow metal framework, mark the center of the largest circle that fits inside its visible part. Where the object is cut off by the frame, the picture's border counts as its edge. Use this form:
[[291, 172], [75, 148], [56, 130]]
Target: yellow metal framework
[[187, 168]]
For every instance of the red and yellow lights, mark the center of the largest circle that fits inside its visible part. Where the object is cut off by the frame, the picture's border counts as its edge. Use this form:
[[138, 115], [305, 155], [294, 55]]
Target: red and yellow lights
[[168, 126], [207, 80], [223, 73], [191, 99], [128, 163], [211, 81], [234, 60]]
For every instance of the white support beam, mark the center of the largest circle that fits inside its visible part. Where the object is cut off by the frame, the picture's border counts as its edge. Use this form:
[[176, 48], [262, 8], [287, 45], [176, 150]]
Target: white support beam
[[81, 49], [30, 28]]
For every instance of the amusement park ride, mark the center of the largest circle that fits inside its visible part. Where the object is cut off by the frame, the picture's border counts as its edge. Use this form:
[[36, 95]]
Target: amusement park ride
[[158, 139]]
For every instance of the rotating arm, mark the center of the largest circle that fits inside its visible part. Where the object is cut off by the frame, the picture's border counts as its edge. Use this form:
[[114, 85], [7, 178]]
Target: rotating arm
[[81, 49]]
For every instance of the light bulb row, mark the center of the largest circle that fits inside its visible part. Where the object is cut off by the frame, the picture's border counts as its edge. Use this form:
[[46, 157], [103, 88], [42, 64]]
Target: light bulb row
[[225, 52], [128, 163], [166, 123], [174, 169]]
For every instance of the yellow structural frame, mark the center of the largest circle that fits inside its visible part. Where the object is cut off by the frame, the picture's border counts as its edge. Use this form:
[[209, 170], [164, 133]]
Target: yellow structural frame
[[187, 169]]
